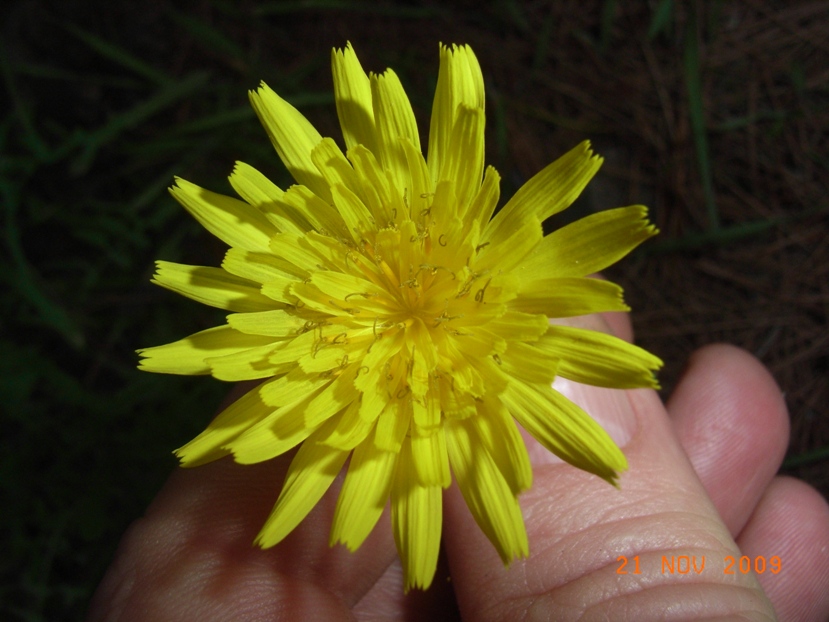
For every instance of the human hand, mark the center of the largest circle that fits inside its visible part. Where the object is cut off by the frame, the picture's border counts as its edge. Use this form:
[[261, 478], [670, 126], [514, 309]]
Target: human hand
[[701, 476]]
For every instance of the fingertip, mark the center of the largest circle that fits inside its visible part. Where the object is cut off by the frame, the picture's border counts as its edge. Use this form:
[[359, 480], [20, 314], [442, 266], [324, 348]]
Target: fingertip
[[732, 421], [792, 522]]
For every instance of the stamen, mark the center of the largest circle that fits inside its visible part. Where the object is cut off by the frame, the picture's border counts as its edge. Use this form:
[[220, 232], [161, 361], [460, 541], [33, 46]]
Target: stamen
[[349, 310], [479, 296], [319, 345], [363, 294]]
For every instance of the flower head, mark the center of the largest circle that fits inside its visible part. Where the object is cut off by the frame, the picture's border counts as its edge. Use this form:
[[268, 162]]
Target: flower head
[[397, 322]]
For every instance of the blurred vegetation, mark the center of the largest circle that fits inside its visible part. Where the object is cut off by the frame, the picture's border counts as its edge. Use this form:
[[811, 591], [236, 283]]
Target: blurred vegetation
[[106, 102]]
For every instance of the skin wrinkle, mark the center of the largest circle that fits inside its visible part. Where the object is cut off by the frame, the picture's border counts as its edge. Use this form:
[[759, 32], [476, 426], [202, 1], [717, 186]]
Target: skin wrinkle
[[680, 609], [579, 572], [669, 450]]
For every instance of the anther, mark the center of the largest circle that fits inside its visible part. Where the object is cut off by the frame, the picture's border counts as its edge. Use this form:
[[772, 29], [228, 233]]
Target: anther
[[479, 296]]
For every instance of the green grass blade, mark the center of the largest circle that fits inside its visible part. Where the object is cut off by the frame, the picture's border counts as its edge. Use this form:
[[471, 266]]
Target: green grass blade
[[119, 55], [693, 81], [164, 98], [661, 20], [808, 457], [23, 277]]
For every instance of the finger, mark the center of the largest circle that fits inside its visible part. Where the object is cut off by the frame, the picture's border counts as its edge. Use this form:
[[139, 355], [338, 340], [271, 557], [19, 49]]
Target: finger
[[579, 529], [194, 549], [732, 421], [791, 522], [618, 324]]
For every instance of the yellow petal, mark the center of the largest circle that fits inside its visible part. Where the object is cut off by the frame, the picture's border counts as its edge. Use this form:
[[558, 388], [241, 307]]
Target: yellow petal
[[253, 186], [595, 358], [357, 217], [420, 186], [463, 161], [460, 83], [343, 294], [352, 93], [272, 323], [394, 118], [506, 255], [280, 431], [296, 250], [292, 136], [263, 194], [550, 191], [588, 245], [375, 190], [430, 459], [564, 429], [311, 473], [350, 431], [378, 358], [320, 213], [492, 503], [292, 388], [456, 404], [336, 396], [569, 297], [486, 200], [417, 513], [294, 349], [364, 494], [260, 267], [187, 356], [245, 412], [424, 357], [234, 222], [211, 286], [529, 364], [247, 365], [503, 441], [517, 326], [333, 165], [426, 411], [393, 423]]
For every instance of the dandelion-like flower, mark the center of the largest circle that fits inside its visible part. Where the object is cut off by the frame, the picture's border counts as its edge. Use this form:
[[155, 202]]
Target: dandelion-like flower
[[397, 322]]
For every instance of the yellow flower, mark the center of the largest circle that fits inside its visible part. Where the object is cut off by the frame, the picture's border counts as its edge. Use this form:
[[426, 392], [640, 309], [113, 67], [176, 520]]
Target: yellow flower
[[396, 321]]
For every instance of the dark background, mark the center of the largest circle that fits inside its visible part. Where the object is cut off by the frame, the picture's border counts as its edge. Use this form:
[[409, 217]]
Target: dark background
[[712, 113]]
